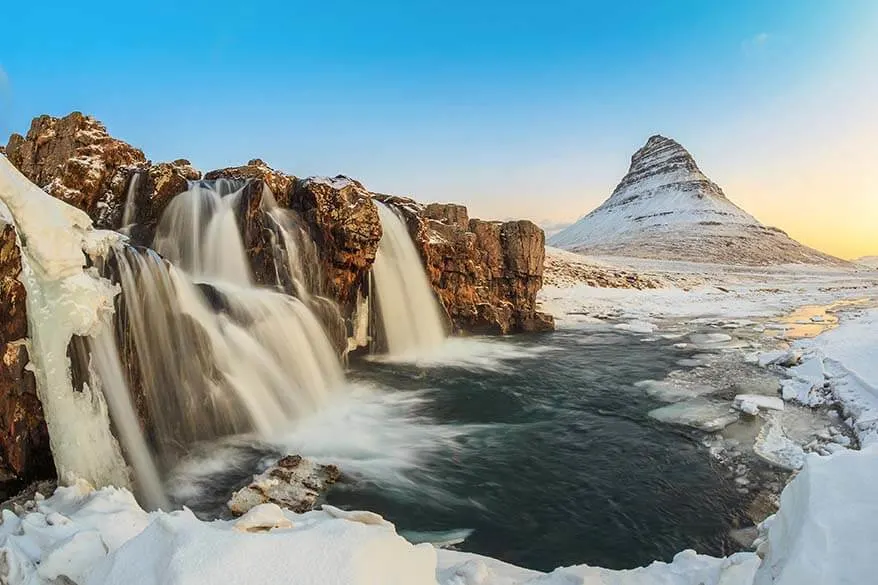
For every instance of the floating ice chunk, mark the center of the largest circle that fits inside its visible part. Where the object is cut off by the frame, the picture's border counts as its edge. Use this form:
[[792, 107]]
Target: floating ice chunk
[[668, 391], [747, 407], [779, 357], [438, 538], [773, 445], [801, 391], [810, 370], [709, 338], [751, 403], [700, 413], [636, 326]]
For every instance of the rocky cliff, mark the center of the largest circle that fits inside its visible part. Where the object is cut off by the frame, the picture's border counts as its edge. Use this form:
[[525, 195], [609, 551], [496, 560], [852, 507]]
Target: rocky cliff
[[666, 208], [485, 273]]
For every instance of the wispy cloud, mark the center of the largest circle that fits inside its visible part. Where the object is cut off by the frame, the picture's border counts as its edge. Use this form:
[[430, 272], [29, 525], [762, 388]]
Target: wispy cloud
[[755, 42]]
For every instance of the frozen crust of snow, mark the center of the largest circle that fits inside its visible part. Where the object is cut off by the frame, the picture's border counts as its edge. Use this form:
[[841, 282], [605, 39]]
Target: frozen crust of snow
[[103, 538], [825, 530]]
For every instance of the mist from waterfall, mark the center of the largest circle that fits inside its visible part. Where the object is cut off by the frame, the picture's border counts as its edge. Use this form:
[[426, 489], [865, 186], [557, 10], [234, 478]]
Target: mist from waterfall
[[409, 311]]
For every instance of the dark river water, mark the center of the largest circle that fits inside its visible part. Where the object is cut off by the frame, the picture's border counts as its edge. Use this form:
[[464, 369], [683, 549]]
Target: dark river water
[[560, 463], [536, 448]]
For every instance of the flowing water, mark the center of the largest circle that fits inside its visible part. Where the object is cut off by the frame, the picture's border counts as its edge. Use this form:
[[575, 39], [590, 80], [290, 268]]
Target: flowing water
[[537, 450], [409, 311]]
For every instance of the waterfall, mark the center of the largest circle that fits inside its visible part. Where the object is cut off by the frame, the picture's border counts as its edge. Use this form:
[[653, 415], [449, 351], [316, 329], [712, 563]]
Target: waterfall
[[213, 354], [198, 232], [409, 311], [111, 380], [198, 351], [130, 210]]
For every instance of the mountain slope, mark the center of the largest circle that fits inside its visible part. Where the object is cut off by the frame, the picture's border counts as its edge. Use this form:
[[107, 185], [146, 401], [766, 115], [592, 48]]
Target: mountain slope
[[666, 208]]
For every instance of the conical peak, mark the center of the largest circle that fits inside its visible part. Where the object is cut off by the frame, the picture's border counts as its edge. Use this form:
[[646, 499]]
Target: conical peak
[[662, 154]]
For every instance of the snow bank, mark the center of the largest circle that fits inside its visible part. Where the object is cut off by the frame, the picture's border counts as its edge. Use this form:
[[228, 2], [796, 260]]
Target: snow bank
[[848, 357], [104, 538], [825, 531], [63, 299]]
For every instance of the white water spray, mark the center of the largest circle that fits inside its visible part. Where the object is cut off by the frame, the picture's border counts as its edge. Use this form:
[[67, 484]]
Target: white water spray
[[409, 311]]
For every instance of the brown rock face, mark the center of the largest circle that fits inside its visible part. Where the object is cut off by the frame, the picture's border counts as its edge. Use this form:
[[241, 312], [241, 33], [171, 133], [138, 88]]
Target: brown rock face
[[13, 314], [281, 184], [344, 224], [153, 188], [24, 439], [74, 159], [485, 273]]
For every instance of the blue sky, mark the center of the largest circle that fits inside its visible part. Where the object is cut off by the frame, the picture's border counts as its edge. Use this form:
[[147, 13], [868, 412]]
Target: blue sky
[[515, 108]]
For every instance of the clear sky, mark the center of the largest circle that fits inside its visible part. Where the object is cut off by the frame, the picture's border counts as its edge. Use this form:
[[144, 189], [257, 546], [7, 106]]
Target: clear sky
[[518, 109]]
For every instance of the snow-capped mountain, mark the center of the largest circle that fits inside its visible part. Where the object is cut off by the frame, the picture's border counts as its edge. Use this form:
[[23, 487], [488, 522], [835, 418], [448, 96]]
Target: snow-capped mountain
[[666, 208], [870, 261]]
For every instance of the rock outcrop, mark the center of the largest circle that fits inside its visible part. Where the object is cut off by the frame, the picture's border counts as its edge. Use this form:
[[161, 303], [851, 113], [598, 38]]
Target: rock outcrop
[[293, 483], [485, 273], [343, 222], [74, 159], [24, 439], [666, 208]]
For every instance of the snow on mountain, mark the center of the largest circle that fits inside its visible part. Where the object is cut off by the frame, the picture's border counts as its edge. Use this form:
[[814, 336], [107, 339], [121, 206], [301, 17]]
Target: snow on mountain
[[666, 208], [870, 261]]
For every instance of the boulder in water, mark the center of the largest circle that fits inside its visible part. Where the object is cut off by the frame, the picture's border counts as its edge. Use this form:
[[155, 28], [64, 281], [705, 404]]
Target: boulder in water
[[294, 483]]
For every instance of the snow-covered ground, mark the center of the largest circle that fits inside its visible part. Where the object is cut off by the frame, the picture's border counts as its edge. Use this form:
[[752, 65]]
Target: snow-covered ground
[[694, 291], [823, 534]]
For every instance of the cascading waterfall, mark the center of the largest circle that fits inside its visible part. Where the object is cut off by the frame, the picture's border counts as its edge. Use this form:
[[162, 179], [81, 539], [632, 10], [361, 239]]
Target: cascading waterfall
[[111, 378], [199, 233], [409, 311], [209, 353], [129, 212]]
